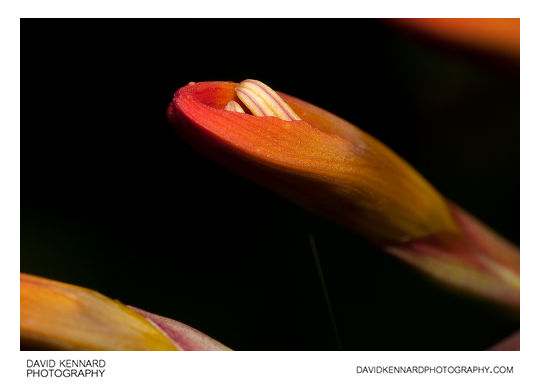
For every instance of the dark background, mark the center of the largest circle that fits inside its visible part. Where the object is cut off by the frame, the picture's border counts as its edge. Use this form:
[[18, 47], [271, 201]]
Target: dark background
[[112, 199]]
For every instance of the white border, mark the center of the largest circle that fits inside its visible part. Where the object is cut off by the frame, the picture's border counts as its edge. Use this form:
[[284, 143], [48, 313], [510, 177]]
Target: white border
[[273, 8], [249, 367]]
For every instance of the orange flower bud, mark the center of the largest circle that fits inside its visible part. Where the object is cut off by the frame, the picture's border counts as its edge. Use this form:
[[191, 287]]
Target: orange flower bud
[[332, 168], [62, 316]]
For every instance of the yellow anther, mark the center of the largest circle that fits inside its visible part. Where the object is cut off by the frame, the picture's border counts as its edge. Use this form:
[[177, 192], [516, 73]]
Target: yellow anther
[[233, 106], [254, 102], [263, 101]]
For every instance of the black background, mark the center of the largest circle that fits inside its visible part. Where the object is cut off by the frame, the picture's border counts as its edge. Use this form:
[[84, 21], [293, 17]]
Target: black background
[[112, 199]]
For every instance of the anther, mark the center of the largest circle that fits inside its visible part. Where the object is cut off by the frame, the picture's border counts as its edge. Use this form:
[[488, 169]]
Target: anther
[[234, 107], [261, 100]]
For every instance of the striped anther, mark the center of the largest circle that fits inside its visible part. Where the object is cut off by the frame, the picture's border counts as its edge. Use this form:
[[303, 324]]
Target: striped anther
[[233, 106], [263, 101], [253, 102]]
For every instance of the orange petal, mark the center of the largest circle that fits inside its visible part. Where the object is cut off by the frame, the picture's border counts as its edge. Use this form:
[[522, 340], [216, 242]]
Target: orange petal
[[55, 315], [321, 162], [333, 168], [497, 35], [59, 316]]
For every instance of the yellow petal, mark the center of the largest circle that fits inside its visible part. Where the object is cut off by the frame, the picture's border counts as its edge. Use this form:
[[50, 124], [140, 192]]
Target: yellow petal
[[62, 316]]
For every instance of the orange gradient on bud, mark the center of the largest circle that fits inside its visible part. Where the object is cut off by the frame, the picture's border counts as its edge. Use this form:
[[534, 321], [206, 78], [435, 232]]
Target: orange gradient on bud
[[321, 162], [499, 35], [59, 316], [333, 168], [478, 260]]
